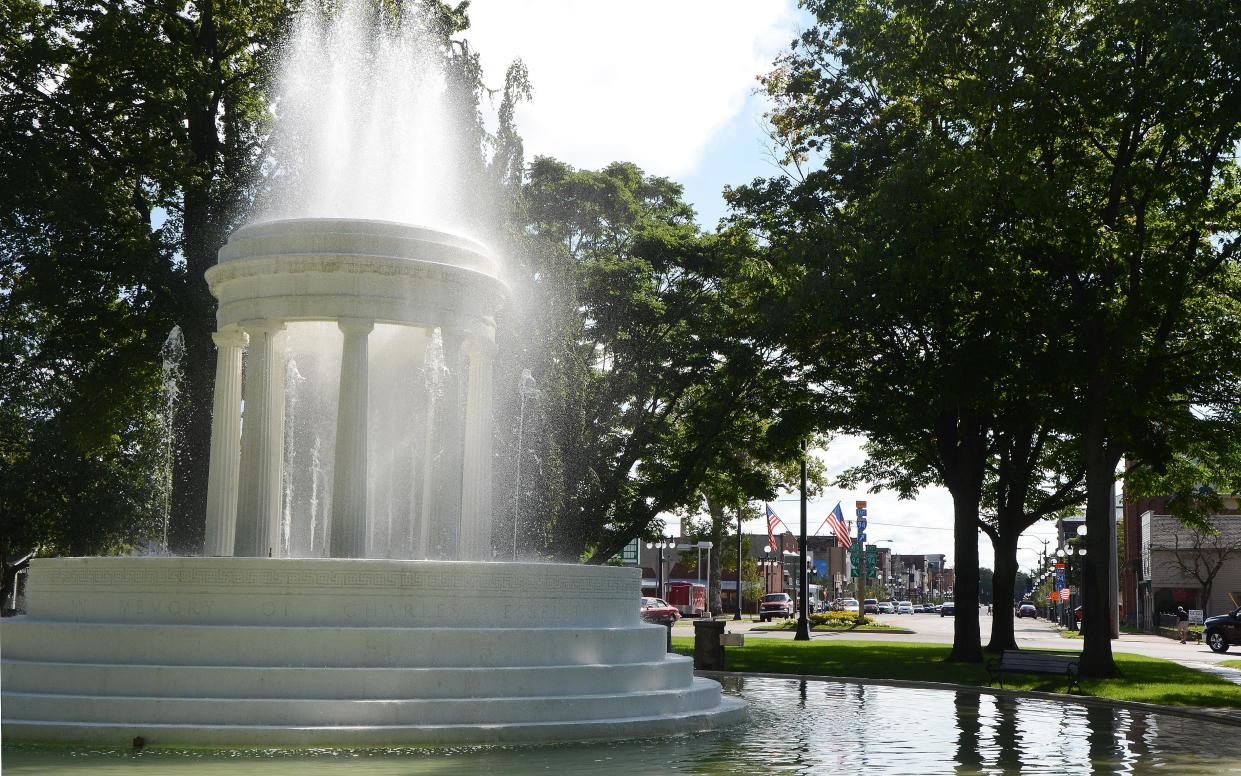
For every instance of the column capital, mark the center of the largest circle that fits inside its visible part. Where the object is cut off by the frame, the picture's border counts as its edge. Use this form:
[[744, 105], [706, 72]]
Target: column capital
[[230, 336], [477, 346], [261, 325], [355, 325]]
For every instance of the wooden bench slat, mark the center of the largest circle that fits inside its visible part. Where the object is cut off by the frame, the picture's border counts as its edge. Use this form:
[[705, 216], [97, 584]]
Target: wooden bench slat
[[1054, 663]]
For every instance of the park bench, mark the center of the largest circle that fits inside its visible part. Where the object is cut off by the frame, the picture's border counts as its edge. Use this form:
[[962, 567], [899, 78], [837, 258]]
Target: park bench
[[1015, 661]]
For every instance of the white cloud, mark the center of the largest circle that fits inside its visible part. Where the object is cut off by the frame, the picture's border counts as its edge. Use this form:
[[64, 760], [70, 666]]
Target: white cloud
[[642, 81]]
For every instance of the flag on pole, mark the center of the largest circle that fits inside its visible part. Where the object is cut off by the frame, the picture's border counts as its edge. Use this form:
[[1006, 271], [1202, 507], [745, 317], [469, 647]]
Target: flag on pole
[[836, 522], [772, 521]]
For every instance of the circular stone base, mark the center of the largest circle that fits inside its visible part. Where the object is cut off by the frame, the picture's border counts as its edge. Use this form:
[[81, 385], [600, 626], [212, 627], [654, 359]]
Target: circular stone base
[[341, 652]]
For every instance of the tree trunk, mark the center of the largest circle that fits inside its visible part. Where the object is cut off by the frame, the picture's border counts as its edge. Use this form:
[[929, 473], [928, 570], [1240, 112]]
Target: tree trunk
[[1097, 659], [960, 443], [719, 524], [966, 638], [1003, 582], [203, 212]]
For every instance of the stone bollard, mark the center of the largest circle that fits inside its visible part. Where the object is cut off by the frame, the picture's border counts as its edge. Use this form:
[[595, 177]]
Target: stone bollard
[[708, 651]]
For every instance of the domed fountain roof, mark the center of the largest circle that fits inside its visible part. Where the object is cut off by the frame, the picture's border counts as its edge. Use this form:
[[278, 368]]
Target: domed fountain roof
[[331, 268]]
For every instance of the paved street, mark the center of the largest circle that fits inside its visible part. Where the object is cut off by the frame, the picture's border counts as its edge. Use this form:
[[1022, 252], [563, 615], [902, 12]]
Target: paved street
[[1036, 634]]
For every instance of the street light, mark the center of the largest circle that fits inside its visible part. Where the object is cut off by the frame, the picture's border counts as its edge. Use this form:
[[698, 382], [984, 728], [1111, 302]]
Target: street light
[[766, 568], [661, 543], [737, 614], [705, 546]]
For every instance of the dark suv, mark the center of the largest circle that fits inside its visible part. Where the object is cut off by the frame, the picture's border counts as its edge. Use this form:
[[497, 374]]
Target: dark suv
[[775, 605], [1222, 630]]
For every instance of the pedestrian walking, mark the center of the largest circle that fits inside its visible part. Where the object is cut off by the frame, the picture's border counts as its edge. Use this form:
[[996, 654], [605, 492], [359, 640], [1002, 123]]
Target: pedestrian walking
[[1182, 622]]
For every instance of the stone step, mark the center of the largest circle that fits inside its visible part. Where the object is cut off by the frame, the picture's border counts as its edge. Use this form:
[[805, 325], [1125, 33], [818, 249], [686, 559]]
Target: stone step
[[728, 712], [73, 709], [46, 677], [335, 646]]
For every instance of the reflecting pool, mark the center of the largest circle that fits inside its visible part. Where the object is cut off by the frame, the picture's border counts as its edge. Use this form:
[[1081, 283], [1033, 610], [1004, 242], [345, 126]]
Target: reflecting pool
[[795, 727]]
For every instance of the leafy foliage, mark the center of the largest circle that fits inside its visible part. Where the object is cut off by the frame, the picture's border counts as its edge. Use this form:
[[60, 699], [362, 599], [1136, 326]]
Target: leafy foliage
[[651, 391]]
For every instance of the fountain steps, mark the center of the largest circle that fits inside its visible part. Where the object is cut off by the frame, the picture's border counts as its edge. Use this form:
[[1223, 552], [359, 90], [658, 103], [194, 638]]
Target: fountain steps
[[289, 652], [73, 709], [728, 712], [172, 681], [330, 646]]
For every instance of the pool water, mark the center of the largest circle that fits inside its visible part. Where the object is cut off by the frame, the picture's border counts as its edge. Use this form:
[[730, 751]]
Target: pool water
[[795, 727]]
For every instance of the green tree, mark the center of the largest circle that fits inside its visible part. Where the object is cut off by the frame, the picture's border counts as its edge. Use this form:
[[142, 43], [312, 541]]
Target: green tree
[[648, 382], [131, 132], [1072, 161]]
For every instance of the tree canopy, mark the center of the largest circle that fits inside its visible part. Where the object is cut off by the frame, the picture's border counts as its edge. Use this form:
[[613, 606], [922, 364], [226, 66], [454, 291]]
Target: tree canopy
[[1008, 215]]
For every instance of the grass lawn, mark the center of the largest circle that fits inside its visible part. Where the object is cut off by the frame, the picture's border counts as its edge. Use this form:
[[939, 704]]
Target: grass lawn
[[1148, 680], [1231, 663]]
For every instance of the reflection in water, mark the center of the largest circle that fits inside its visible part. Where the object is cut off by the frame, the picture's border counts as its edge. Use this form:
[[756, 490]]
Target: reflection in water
[[1007, 739], [969, 753], [795, 727]]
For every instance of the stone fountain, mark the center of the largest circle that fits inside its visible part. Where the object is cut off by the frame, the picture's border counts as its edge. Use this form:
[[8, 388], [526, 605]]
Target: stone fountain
[[249, 647]]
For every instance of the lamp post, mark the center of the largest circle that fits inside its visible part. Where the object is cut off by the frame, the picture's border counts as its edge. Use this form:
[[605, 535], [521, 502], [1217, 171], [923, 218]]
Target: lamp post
[[803, 602], [528, 389], [766, 568], [737, 614], [661, 543], [707, 546]]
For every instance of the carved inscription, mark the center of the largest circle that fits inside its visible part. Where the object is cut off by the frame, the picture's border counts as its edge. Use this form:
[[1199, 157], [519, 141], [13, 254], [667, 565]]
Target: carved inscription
[[174, 607]]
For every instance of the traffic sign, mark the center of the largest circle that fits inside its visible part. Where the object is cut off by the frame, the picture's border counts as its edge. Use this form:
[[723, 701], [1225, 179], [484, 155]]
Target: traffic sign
[[861, 536], [861, 524]]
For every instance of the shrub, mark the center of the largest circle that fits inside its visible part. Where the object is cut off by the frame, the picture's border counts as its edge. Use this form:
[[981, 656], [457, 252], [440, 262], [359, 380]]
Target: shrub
[[838, 619]]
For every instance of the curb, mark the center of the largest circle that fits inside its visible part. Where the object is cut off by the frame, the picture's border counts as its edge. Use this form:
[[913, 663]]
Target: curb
[[1227, 717]]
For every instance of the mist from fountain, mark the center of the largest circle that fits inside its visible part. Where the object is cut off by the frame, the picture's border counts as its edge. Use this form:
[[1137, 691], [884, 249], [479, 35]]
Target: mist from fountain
[[367, 125], [172, 374]]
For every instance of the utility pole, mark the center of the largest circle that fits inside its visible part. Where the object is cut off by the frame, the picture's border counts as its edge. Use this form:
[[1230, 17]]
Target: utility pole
[[803, 619]]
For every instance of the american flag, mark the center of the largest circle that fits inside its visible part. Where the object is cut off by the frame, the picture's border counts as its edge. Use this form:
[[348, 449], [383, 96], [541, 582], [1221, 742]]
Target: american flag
[[836, 522], [772, 522]]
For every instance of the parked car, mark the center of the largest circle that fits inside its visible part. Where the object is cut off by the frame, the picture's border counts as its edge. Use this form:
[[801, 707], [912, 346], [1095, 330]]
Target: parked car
[[1027, 610], [904, 607], [1222, 630], [887, 607], [659, 611], [947, 609], [849, 605], [932, 608], [775, 605], [870, 606]]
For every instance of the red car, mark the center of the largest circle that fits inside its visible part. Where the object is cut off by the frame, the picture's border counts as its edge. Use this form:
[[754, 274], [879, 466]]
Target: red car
[[775, 605], [658, 611]]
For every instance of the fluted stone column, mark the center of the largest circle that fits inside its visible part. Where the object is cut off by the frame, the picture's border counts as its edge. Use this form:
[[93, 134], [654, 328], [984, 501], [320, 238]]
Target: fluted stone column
[[222, 472], [476, 514], [262, 444], [349, 482], [447, 464]]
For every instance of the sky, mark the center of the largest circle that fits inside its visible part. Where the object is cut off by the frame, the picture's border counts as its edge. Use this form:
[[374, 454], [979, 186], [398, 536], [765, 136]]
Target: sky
[[671, 86]]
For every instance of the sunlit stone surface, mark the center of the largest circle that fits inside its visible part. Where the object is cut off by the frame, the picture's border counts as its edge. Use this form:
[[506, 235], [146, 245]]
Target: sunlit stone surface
[[341, 652]]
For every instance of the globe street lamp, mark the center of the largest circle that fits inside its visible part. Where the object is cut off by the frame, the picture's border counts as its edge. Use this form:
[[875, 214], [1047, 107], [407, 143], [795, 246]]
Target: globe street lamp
[[661, 544]]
